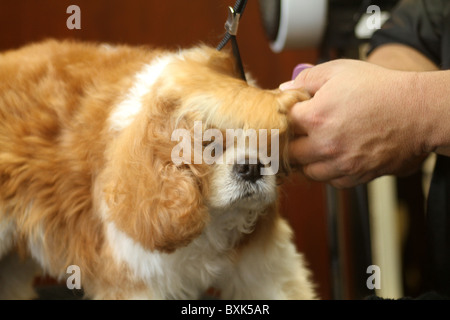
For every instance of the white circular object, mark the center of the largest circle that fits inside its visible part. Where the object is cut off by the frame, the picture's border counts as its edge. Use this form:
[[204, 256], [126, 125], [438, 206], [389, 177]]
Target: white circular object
[[302, 24]]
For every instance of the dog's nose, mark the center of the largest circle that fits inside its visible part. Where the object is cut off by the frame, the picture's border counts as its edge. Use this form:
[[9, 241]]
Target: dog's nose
[[248, 172]]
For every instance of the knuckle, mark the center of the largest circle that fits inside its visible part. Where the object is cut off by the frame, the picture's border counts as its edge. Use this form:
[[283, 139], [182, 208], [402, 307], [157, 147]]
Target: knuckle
[[310, 172], [314, 120], [350, 167], [330, 150]]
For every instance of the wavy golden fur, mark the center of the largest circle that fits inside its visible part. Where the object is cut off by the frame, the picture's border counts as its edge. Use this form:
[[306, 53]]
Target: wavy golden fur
[[74, 188]]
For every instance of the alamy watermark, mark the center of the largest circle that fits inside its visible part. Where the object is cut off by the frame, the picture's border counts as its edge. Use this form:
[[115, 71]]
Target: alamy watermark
[[74, 279], [373, 21], [74, 20], [236, 146], [374, 280]]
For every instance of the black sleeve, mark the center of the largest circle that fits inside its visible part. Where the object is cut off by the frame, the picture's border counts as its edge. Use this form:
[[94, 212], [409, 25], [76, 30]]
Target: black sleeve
[[415, 23]]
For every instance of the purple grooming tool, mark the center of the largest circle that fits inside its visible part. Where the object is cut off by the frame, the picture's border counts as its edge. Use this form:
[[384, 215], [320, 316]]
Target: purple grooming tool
[[299, 68]]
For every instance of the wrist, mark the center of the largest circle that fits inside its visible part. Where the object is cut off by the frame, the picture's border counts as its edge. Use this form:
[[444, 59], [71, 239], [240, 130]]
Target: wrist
[[405, 93], [433, 103], [422, 117]]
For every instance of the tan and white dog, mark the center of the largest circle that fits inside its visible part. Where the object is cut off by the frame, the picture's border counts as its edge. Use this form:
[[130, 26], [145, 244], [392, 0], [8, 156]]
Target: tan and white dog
[[87, 179]]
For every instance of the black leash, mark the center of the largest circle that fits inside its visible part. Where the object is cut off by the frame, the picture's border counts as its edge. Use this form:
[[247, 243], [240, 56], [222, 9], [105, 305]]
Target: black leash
[[231, 27]]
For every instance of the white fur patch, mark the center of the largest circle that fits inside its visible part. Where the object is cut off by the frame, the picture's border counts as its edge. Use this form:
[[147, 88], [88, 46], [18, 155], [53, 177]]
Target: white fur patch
[[125, 111], [183, 274], [6, 236], [189, 271], [108, 47], [36, 245], [143, 263]]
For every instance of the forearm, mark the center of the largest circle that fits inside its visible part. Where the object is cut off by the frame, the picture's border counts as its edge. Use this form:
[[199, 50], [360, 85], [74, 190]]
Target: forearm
[[401, 57], [429, 91]]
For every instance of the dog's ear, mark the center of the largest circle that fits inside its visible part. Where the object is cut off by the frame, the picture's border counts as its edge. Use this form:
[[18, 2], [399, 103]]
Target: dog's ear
[[156, 202]]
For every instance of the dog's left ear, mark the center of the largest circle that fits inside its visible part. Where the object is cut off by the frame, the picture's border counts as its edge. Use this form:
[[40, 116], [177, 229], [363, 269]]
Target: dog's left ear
[[156, 202]]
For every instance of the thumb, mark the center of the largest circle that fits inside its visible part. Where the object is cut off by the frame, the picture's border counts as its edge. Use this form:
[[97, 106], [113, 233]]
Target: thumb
[[311, 79]]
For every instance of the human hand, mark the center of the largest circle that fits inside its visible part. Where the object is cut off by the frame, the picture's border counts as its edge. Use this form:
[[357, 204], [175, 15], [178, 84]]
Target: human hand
[[363, 121]]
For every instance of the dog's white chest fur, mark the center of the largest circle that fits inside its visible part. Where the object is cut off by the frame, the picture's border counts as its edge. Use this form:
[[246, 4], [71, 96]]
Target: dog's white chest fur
[[189, 271]]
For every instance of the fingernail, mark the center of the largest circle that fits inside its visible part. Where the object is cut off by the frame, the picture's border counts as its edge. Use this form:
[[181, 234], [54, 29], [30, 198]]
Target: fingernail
[[287, 85], [299, 68]]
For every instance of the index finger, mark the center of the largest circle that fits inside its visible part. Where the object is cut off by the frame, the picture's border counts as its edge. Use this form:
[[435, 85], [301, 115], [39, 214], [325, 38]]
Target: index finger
[[298, 116]]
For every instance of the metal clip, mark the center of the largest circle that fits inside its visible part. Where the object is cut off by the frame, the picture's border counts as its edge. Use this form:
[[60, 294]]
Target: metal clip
[[232, 23]]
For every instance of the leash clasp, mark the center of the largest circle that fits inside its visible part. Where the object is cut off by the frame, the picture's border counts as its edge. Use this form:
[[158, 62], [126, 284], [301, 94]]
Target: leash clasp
[[232, 23]]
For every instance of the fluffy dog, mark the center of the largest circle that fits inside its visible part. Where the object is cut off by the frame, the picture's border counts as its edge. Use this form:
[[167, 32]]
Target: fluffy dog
[[87, 177]]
